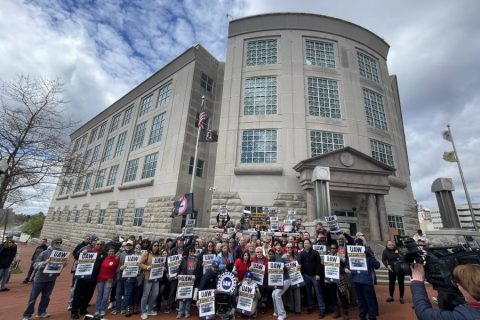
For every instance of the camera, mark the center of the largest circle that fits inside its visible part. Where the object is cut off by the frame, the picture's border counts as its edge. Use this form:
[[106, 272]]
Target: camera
[[439, 263]]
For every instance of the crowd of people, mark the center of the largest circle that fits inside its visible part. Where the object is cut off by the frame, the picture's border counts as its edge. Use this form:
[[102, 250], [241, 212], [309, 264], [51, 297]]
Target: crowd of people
[[147, 295]]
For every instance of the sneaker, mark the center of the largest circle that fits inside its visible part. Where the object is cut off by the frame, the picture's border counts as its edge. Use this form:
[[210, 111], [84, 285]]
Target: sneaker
[[168, 310], [26, 318], [144, 316], [152, 313], [110, 306], [69, 307], [43, 315], [114, 311], [274, 314], [389, 299], [187, 315], [25, 281], [122, 312], [102, 314], [179, 316], [401, 301]]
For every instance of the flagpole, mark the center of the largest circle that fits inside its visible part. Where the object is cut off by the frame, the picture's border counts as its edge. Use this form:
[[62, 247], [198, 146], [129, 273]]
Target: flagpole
[[194, 171], [474, 220]]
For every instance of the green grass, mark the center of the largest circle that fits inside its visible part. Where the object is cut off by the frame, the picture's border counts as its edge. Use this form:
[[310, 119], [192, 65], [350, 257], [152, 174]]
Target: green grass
[[17, 270]]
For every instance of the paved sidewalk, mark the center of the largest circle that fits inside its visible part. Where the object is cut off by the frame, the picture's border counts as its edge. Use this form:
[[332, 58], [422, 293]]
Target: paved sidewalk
[[13, 302]]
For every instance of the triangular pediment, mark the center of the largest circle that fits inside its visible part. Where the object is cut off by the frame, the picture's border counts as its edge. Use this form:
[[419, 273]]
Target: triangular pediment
[[346, 159]]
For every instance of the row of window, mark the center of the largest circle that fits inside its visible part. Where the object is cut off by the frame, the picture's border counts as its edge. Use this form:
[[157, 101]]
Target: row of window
[[260, 146], [119, 220], [260, 98], [123, 118], [318, 53]]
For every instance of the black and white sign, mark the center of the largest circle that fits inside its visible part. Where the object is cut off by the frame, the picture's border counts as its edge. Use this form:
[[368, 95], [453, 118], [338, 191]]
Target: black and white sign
[[206, 304], [227, 282], [86, 261], [275, 275]]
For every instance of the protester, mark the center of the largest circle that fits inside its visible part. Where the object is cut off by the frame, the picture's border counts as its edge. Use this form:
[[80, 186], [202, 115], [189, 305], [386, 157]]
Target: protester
[[85, 287], [364, 284], [312, 271], [390, 257], [338, 291], [150, 287], [277, 294], [8, 252], [225, 259], [293, 295], [43, 283], [39, 249], [241, 266], [125, 286], [420, 238], [105, 280], [189, 266], [467, 279]]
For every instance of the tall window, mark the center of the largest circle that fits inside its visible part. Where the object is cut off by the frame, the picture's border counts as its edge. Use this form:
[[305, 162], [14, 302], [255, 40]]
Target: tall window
[[120, 217], [88, 179], [112, 175], [138, 218], [322, 142], [319, 53], [397, 223], [101, 216], [145, 106], [77, 215], [323, 98], [79, 184], [82, 141], [93, 135], [115, 122], [68, 216], [101, 130], [157, 129], [374, 109], [107, 152], [59, 215], [368, 67], [127, 115], [120, 144], [87, 157], [149, 165], [164, 93], [260, 96], [382, 152], [259, 146], [131, 172], [200, 164], [100, 178], [138, 136], [90, 216], [206, 83], [261, 52], [95, 153], [75, 145]]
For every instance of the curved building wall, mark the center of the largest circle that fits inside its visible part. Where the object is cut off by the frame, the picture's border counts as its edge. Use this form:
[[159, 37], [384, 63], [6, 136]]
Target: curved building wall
[[296, 86]]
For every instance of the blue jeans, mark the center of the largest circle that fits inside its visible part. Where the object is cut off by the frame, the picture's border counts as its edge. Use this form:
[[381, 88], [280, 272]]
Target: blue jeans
[[45, 288], [367, 301], [119, 295], [3, 277], [310, 282], [149, 296], [103, 295], [128, 288], [184, 307]]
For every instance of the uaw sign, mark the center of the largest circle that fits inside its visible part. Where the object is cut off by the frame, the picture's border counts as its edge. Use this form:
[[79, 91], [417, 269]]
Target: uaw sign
[[227, 283]]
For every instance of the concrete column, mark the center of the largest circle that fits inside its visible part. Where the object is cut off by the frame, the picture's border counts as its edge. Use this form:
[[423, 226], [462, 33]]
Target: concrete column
[[382, 214], [373, 218], [311, 209]]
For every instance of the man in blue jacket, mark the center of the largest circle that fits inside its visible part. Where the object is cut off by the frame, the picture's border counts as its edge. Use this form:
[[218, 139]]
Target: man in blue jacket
[[467, 278]]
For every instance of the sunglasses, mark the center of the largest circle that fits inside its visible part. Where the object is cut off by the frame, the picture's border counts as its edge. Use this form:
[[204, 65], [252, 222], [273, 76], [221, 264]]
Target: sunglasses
[[58, 242], [155, 245]]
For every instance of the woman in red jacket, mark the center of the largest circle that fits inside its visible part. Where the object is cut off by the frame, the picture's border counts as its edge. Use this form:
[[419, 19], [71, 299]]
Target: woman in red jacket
[[105, 278], [242, 265]]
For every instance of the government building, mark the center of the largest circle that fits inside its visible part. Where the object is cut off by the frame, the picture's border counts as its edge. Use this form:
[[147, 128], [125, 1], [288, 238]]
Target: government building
[[297, 92]]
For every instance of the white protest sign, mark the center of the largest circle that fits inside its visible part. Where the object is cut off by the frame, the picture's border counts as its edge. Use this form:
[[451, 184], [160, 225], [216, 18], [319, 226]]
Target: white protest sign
[[132, 266], [356, 258], [173, 263], [206, 304], [295, 275], [332, 223], [86, 261], [246, 295], [207, 262], [185, 287], [275, 275], [158, 268], [57, 260], [332, 268], [258, 272]]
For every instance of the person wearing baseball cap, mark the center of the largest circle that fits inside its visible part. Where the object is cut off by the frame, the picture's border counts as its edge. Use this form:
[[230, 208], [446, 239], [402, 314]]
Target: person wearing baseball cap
[[43, 283]]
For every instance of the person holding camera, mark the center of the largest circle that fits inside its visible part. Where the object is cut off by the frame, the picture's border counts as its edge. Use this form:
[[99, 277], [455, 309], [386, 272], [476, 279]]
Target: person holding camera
[[389, 257], [467, 279]]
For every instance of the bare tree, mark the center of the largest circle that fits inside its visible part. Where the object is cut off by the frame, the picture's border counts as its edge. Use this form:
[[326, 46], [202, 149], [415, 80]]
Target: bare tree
[[33, 137]]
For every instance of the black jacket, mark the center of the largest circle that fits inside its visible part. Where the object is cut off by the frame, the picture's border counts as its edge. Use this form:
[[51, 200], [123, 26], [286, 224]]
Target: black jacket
[[209, 281], [7, 254], [39, 250], [197, 272], [311, 263], [389, 257]]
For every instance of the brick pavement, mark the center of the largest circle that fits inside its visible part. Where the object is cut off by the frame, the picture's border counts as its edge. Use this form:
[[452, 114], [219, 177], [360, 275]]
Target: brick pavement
[[13, 302]]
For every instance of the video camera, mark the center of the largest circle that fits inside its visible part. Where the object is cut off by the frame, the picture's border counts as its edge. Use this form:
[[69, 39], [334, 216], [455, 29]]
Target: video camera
[[439, 263]]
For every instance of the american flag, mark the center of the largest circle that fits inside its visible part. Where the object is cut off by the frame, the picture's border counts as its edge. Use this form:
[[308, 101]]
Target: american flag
[[202, 117]]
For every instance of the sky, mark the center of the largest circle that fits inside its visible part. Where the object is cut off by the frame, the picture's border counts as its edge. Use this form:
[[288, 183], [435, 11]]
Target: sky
[[103, 49]]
